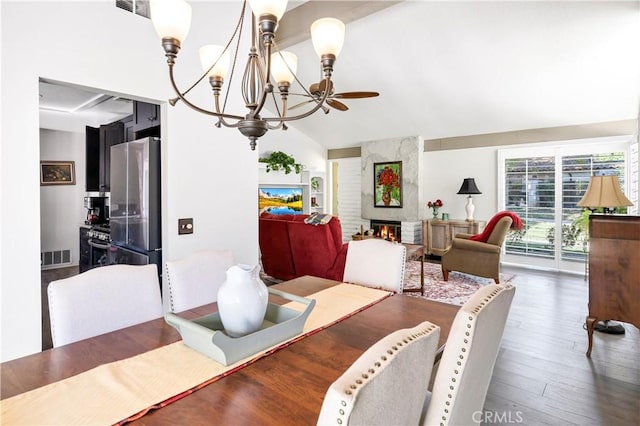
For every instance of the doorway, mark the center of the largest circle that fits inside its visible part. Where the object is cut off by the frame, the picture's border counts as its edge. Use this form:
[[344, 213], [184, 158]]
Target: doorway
[[65, 110]]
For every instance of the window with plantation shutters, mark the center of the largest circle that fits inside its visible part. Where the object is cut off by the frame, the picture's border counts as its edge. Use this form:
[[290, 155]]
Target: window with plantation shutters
[[530, 192], [543, 186]]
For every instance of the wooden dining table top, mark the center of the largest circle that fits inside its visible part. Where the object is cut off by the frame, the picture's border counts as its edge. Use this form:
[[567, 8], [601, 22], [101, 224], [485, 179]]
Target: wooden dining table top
[[286, 387]]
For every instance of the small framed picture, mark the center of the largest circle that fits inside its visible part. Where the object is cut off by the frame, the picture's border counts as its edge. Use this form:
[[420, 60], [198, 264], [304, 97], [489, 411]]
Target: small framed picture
[[57, 173], [387, 184]]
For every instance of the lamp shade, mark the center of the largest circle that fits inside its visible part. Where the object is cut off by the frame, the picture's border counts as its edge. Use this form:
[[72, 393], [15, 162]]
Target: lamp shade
[[604, 191], [469, 187], [327, 35], [171, 18], [283, 68], [212, 53]]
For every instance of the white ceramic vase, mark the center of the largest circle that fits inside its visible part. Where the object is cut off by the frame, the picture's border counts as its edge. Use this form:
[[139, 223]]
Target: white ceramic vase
[[242, 300]]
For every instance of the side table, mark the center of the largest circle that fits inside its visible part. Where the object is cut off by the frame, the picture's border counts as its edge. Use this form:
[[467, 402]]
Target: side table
[[437, 234], [416, 252]]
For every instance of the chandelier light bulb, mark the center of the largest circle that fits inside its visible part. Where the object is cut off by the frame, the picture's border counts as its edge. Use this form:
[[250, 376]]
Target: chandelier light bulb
[[327, 35], [212, 53], [283, 68], [268, 7], [171, 18]]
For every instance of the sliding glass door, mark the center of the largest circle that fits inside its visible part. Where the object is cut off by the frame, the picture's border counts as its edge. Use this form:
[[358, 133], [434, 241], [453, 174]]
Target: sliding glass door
[[543, 186]]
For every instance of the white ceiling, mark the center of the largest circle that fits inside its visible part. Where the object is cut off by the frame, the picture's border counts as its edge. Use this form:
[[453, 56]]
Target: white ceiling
[[71, 108], [446, 69]]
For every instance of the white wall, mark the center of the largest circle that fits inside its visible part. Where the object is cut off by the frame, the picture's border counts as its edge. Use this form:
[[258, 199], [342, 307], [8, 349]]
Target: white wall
[[444, 172], [61, 206], [208, 174]]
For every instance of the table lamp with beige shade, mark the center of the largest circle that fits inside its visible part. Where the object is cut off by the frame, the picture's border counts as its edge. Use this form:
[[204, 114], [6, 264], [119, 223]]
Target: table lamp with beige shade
[[605, 192]]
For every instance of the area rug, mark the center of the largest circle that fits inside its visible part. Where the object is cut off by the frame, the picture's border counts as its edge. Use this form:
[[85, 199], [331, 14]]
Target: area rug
[[456, 291]]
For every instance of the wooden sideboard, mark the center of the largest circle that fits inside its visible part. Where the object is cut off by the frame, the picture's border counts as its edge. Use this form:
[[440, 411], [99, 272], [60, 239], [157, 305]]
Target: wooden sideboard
[[614, 270], [437, 234]]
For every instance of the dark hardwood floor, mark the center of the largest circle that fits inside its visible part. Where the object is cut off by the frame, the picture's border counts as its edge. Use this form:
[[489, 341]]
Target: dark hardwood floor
[[542, 376]]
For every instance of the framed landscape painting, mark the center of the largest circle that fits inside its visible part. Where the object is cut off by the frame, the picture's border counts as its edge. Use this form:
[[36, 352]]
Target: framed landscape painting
[[57, 173], [387, 184]]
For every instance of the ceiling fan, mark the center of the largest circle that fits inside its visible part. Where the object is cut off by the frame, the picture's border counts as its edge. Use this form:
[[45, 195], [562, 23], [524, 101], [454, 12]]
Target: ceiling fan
[[316, 90]]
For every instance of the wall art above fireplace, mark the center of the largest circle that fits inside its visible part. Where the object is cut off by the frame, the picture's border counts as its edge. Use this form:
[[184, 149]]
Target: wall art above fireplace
[[387, 184]]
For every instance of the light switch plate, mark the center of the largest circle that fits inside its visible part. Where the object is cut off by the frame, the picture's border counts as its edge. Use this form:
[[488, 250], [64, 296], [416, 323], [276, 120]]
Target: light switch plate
[[185, 226]]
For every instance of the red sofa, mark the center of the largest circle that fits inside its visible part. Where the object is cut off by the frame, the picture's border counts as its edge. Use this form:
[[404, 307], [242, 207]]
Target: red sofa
[[291, 248]]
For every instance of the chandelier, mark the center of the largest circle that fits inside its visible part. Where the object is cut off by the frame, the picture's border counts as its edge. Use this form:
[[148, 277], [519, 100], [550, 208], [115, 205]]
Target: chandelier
[[172, 18]]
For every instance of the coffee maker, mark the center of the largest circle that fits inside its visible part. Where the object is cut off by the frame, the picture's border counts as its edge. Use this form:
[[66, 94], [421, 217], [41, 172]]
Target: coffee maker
[[96, 210]]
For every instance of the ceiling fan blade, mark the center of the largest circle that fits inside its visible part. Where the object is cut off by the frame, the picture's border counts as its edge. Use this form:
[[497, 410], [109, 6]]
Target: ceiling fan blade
[[300, 104], [356, 95], [337, 105]]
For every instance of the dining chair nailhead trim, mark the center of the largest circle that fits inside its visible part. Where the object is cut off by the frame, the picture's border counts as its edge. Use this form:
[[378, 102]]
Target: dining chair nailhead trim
[[463, 348], [171, 306], [371, 371]]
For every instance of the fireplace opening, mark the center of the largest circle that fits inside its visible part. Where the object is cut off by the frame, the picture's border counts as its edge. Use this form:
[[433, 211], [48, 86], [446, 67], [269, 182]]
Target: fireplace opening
[[389, 230]]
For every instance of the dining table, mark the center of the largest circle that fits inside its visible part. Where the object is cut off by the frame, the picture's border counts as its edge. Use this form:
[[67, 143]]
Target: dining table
[[285, 387]]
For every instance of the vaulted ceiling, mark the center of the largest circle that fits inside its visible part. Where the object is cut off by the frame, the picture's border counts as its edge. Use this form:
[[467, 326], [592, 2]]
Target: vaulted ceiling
[[446, 69]]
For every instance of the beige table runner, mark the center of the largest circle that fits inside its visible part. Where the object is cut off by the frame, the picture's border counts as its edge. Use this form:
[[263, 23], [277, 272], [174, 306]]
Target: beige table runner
[[112, 392]]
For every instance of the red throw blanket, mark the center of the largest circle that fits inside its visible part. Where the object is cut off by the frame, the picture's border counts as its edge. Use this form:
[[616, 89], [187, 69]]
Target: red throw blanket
[[484, 235]]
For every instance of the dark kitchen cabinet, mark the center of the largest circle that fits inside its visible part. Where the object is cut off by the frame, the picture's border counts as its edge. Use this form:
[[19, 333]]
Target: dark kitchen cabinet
[[146, 119], [98, 152], [128, 128], [85, 251], [93, 159]]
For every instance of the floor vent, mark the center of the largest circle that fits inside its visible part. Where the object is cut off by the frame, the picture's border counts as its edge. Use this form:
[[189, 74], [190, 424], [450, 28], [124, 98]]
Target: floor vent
[[53, 259]]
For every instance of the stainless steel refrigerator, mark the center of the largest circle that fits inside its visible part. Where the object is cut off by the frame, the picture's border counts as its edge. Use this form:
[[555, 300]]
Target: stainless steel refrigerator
[[135, 219]]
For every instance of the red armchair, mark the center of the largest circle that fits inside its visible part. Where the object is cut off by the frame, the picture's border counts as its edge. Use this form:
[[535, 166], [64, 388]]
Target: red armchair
[[291, 248]]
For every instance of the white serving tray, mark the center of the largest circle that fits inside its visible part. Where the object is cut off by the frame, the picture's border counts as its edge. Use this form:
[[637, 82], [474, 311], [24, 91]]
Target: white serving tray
[[207, 336]]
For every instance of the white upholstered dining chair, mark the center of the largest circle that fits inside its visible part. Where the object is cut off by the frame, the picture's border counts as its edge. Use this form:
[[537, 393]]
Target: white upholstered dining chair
[[102, 300], [465, 369], [194, 280], [376, 263], [386, 385]]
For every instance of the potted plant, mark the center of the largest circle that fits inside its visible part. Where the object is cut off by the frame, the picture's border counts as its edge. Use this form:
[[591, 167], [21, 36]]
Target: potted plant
[[278, 160]]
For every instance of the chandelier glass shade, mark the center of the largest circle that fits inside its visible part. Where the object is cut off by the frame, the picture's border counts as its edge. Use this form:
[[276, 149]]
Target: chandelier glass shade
[[268, 71]]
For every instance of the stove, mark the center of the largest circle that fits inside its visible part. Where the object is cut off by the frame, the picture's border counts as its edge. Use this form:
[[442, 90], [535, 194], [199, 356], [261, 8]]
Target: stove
[[100, 233], [98, 240]]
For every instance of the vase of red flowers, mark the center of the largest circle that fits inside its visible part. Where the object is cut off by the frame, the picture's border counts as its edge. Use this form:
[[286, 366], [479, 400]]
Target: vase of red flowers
[[435, 206]]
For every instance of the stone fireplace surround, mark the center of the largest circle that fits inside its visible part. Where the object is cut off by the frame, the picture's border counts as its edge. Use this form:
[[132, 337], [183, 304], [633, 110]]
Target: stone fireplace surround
[[409, 150]]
